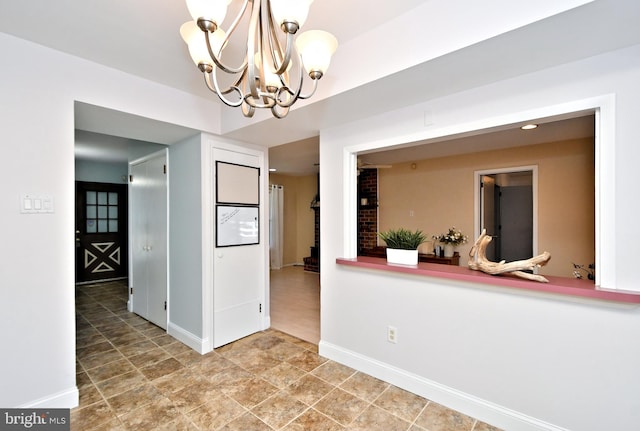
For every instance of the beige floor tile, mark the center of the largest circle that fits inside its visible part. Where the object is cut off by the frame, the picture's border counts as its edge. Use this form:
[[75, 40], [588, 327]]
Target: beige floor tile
[[100, 359], [216, 413], [110, 370], [191, 397], [376, 419], [309, 389], [333, 372], [137, 348], [134, 398], [92, 416], [364, 386], [149, 417], [481, 426], [161, 369], [312, 420], [341, 406], [246, 422], [123, 383], [279, 410], [401, 403], [439, 418], [282, 375], [307, 361]]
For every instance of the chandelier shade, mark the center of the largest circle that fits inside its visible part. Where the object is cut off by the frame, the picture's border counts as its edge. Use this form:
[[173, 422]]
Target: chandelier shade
[[272, 71]]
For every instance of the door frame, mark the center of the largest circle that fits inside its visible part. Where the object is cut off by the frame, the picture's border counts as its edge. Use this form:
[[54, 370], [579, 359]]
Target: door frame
[[477, 198]]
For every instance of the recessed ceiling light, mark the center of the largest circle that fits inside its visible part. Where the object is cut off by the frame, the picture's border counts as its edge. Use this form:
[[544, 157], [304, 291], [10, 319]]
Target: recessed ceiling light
[[272, 169], [529, 126]]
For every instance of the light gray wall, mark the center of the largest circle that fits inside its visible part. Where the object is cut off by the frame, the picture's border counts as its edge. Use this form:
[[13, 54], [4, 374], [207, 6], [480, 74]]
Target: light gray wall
[[138, 149], [185, 238], [101, 172]]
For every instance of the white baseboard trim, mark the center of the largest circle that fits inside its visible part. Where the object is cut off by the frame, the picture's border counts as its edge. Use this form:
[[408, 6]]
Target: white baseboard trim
[[67, 399], [483, 410], [200, 345]]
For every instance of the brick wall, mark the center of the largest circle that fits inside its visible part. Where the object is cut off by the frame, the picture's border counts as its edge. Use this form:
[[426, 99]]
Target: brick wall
[[367, 214]]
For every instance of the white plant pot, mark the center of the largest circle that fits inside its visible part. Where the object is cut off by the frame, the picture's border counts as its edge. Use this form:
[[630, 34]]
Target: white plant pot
[[449, 249], [402, 257]]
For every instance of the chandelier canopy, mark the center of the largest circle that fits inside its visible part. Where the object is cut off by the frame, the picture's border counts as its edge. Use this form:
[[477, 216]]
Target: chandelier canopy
[[271, 74]]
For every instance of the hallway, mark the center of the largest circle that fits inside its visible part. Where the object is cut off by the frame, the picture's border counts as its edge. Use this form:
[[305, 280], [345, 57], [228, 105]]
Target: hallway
[[133, 376], [295, 302]]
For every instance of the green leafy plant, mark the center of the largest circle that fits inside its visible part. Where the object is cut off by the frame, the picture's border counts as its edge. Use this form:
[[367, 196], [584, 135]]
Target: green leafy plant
[[454, 237], [403, 239]]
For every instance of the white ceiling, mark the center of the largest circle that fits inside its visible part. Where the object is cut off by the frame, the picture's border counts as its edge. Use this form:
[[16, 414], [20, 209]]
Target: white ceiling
[[141, 38]]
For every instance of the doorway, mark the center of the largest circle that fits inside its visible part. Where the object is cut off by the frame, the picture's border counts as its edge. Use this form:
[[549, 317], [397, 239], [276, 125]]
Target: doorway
[[507, 200]]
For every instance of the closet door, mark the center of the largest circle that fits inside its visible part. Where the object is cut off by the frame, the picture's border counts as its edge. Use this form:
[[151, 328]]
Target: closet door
[[238, 273], [148, 216]]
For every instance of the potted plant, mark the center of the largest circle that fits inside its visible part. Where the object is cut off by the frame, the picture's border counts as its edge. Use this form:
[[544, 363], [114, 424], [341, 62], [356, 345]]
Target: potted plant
[[451, 239], [402, 245]]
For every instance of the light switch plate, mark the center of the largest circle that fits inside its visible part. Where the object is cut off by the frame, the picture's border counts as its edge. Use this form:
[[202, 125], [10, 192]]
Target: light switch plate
[[36, 204]]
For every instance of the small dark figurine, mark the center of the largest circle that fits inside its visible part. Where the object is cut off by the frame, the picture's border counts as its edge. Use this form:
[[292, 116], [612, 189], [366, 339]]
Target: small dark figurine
[[590, 270]]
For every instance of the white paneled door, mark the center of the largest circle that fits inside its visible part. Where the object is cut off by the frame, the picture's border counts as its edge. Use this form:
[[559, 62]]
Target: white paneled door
[[148, 236], [238, 271]]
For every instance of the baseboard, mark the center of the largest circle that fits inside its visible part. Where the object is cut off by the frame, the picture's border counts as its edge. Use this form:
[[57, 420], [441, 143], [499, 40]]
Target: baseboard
[[66, 399], [483, 410], [198, 344]]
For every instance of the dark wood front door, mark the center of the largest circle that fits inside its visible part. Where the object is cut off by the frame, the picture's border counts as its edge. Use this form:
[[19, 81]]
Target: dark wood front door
[[101, 231]]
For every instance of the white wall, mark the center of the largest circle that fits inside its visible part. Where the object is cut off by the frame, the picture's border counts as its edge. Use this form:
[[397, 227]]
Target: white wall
[[517, 360], [37, 251]]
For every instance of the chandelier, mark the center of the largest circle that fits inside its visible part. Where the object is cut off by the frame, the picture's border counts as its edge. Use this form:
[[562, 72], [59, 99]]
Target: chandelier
[[271, 74]]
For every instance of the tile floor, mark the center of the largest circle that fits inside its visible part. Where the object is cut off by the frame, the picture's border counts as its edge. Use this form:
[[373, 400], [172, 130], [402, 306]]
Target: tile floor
[[133, 376], [295, 302]]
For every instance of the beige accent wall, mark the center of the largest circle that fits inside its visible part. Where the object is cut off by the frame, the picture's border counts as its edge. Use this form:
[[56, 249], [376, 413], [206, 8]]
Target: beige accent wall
[[439, 193], [299, 191]]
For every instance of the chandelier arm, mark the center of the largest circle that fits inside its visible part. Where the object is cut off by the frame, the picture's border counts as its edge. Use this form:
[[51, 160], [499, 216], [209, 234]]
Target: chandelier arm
[[212, 84], [218, 62], [315, 87], [236, 21], [269, 100], [216, 57], [294, 96], [277, 114], [254, 32], [248, 110], [280, 61]]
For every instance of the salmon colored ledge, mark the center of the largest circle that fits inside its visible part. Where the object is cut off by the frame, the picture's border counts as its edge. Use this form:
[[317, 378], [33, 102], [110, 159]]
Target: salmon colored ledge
[[560, 285]]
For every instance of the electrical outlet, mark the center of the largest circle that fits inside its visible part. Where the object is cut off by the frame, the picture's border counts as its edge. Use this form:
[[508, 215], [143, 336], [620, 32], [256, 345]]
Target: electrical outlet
[[392, 334]]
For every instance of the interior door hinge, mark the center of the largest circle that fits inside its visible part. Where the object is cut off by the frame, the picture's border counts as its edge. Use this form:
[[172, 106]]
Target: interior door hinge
[[260, 308], [130, 178], [164, 168], [165, 305], [131, 291]]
